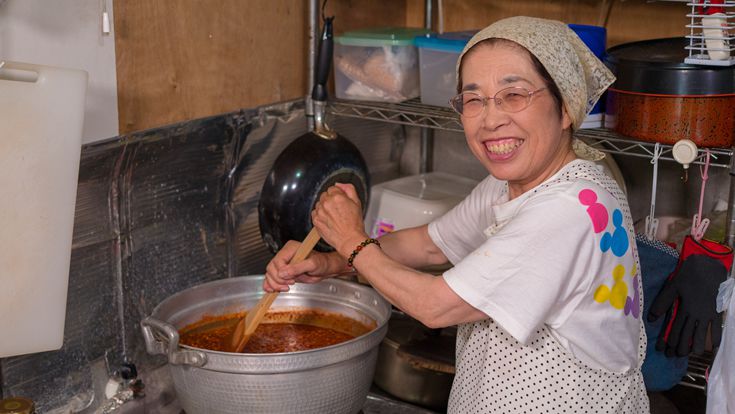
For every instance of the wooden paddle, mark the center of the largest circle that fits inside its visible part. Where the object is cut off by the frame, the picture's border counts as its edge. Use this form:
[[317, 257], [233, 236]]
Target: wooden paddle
[[247, 325]]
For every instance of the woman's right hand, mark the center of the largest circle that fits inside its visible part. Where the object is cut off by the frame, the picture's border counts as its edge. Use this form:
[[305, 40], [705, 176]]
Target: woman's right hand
[[279, 274]]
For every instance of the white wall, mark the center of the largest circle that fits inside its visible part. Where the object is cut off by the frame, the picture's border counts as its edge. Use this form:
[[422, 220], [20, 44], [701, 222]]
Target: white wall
[[67, 33]]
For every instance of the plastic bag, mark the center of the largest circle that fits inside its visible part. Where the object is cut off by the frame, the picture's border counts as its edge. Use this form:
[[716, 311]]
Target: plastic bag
[[721, 381]]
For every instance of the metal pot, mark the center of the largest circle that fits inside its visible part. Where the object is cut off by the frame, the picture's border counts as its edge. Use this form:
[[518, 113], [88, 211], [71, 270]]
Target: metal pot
[[415, 363], [658, 98], [334, 379]]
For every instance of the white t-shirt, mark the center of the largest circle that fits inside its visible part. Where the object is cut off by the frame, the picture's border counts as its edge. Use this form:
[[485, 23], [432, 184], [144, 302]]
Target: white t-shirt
[[559, 256]]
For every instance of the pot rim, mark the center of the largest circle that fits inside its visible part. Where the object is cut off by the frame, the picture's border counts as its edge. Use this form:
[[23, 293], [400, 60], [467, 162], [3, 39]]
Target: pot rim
[[664, 95], [368, 302]]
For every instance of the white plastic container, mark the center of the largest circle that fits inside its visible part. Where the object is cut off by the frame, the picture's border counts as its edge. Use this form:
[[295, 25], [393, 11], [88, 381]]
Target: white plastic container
[[438, 56], [413, 201], [377, 64], [41, 118]]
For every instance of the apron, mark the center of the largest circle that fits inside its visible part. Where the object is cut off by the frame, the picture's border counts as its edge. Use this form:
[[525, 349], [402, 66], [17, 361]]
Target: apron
[[497, 374]]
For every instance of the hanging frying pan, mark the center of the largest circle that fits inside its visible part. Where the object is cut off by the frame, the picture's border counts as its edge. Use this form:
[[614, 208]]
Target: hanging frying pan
[[308, 166]]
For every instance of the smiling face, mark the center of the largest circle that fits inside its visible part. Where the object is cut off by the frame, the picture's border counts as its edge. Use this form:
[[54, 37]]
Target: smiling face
[[524, 148]]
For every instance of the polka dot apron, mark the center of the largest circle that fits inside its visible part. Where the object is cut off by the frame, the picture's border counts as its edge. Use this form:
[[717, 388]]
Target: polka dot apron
[[497, 374]]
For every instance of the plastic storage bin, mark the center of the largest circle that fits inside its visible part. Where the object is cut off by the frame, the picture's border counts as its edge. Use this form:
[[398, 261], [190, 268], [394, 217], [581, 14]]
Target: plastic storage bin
[[378, 64], [595, 38], [437, 60], [413, 201]]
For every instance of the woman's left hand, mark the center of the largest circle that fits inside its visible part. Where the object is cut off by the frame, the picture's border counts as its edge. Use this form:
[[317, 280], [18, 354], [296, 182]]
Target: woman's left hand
[[337, 217], [280, 274]]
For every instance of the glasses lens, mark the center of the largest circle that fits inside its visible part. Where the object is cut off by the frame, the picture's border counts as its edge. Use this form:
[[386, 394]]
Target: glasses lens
[[456, 103], [513, 99], [468, 104]]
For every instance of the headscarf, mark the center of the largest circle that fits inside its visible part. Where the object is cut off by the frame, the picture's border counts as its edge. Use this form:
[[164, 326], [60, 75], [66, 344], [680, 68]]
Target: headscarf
[[580, 76]]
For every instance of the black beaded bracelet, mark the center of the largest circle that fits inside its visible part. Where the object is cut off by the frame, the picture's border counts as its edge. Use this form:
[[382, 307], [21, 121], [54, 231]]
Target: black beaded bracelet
[[359, 248]]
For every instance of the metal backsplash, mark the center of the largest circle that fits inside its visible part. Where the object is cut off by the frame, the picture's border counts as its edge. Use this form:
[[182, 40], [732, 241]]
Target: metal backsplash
[[159, 211]]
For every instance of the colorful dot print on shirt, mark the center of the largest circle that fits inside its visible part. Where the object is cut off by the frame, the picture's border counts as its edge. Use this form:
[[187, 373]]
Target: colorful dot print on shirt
[[617, 243], [618, 240], [633, 305], [597, 211], [618, 294]]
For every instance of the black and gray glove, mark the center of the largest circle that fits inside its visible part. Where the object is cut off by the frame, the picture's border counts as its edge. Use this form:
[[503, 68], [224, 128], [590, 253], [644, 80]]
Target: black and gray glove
[[690, 298]]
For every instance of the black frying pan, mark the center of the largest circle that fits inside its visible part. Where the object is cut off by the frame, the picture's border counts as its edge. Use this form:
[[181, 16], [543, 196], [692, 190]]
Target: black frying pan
[[308, 166]]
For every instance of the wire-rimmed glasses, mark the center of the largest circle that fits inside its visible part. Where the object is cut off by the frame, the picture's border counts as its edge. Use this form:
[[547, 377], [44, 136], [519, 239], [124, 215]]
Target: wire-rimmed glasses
[[513, 99]]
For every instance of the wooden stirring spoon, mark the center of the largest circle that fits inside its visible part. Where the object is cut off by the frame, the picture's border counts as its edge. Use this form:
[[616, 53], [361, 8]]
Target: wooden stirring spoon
[[246, 326]]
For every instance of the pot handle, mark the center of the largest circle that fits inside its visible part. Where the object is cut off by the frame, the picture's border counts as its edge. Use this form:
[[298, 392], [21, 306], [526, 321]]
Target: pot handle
[[319, 93], [163, 339]]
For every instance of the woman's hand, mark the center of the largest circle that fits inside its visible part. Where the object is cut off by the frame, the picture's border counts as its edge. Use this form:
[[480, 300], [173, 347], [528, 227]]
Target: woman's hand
[[279, 274], [337, 217]]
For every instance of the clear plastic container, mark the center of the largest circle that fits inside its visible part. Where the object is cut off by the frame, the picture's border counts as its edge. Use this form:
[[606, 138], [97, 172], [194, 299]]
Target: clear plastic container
[[378, 64], [438, 56]]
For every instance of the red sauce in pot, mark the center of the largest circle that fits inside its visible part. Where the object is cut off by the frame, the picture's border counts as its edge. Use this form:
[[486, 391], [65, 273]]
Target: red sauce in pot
[[281, 331]]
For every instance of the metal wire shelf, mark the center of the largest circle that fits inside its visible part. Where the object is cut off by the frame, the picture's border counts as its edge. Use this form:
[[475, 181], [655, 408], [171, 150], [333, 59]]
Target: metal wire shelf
[[696, 376], [414, 113], [410, 112], [608, 141]]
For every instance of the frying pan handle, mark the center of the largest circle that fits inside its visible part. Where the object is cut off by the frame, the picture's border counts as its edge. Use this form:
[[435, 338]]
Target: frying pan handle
[[324, 62], [163, 339]]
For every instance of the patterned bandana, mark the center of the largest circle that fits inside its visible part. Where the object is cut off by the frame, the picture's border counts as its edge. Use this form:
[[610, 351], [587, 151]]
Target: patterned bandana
[[579, 74]]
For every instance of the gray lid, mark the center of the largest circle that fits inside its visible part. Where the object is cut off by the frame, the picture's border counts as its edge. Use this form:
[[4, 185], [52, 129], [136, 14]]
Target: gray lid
[[657, 66]]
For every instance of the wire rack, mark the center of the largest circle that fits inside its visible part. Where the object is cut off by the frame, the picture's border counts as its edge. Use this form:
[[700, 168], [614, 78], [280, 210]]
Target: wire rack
[[414, 113], [613, 143], [410, 112], [696, 376], [711, 36]]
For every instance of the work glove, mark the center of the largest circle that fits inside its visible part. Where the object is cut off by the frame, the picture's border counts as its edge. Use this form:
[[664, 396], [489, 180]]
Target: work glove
[[689, 296]]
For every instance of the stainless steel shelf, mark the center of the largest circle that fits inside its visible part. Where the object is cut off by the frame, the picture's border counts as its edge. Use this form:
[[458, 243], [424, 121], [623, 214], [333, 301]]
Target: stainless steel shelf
[[696, 376], [411, 113], [414, 113], [608, 141]]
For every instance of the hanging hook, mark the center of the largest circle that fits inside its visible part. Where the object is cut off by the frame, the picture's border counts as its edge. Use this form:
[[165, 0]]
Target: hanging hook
[[651, 221], [685, 152], [699, 225]]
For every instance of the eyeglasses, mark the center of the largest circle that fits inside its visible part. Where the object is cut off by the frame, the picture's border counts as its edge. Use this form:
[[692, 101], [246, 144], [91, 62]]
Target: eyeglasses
[[513, 99]]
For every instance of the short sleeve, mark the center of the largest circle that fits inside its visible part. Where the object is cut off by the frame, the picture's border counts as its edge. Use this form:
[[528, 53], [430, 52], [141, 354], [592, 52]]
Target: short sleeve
[[533, 269], [460, 230]]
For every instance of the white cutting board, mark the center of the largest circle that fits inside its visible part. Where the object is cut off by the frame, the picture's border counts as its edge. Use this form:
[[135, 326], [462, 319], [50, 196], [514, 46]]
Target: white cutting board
[[41, 118]]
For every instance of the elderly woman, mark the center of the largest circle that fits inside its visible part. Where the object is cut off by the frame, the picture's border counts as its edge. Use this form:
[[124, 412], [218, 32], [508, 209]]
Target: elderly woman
[[545, 285]]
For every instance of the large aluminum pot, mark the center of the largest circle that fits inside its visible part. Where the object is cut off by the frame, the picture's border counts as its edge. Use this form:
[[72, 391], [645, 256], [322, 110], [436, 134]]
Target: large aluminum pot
[[334, 379]]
